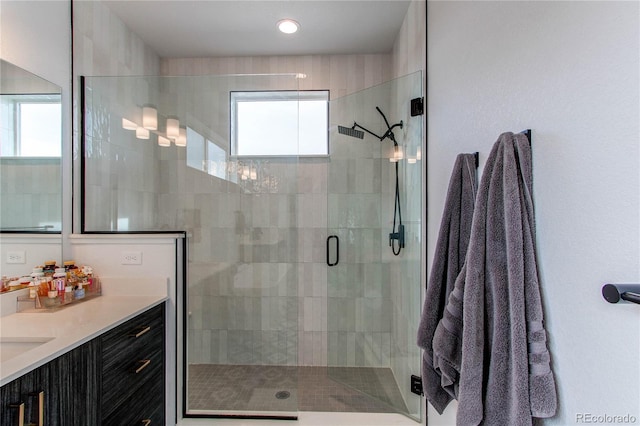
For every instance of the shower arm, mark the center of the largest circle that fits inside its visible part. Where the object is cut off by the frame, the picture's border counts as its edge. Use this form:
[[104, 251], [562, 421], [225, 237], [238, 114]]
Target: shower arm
[[388, 134], [356, 125]]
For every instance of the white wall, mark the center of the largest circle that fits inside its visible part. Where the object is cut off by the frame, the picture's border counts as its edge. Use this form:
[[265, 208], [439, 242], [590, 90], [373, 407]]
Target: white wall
[[37, 249], [569, 71], [36, 36]]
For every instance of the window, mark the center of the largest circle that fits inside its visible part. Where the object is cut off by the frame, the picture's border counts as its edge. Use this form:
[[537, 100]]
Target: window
[[40, 129], [217, 158], [195, 150], [205, 155], [31, 125], [280, 123]]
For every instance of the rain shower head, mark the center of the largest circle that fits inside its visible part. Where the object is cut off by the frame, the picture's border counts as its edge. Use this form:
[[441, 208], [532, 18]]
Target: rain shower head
[[351, 131], [355, 133]]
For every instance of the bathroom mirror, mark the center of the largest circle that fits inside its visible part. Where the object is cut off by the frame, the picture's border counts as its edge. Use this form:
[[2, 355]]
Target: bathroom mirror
[[30, 152]]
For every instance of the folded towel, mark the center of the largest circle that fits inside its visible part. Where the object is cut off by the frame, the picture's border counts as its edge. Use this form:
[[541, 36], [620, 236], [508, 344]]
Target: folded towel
[[490, 347], [450, 252]]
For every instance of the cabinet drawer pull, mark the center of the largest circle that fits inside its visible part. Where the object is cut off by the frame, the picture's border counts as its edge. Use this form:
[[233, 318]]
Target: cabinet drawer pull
[[40, 396], [146, 422], [141, 332], [20, 412], [145, 363]]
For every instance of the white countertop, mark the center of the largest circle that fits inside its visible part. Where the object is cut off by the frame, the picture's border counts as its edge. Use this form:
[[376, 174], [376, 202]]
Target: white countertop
[[67, 328]]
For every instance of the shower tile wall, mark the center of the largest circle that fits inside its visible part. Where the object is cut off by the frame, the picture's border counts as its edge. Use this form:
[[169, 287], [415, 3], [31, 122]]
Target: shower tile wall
[[341, 74], [30, 192], [359, 292], [299, 214], [121, 177], [257, 272], [103, 45]]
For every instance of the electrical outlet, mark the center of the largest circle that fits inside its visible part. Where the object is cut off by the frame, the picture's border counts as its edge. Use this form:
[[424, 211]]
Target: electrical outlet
[[16, 257], [131, 258]]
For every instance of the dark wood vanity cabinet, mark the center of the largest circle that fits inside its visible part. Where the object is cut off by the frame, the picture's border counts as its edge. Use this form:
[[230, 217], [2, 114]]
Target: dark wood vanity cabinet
[[61, 392], [21, 398], [133, 370], [117, 378]]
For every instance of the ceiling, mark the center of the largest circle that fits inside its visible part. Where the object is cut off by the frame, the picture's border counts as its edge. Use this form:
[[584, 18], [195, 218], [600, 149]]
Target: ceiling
[[187, 28]]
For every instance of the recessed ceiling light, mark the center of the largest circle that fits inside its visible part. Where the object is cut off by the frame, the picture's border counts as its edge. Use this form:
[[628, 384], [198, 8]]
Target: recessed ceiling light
[[288, 26]]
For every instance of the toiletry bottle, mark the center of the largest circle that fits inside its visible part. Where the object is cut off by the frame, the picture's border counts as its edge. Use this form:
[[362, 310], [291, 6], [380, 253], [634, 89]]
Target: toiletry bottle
[[88, 272], [33, 290], [25, 281], [38, 277], [49, 267], [71, 269], [43, 289], [60, 282], [68, 294], [79, 291]]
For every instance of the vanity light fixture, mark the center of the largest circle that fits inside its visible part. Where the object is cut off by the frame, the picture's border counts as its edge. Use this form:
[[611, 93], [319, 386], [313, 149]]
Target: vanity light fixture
[[182, 139], [128, 124], [142, 133], [288, 26], [162, 141], [149, 117], [173, 127]]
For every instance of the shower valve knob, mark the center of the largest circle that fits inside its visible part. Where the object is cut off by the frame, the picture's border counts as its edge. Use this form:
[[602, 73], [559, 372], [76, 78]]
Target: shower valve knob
[[397, 236]]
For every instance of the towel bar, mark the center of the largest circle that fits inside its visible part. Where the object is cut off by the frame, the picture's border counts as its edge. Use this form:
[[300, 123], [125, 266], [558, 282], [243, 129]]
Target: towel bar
[[613, 293], [527, 133]]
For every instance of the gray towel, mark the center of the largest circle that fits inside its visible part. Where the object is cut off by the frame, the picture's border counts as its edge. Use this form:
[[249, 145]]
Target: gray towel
[[450, 252], [490, 346]]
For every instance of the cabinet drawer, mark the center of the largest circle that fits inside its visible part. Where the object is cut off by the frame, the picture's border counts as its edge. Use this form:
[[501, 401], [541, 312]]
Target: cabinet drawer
[[122, 380], [137, 336], [132, 359], [144, 407]]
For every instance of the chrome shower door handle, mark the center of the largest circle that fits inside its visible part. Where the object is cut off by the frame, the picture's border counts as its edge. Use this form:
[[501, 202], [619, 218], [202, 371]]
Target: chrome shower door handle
[[329, 238]]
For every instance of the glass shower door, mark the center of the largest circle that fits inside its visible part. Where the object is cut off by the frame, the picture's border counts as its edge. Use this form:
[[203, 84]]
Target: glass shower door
[[373, 295]]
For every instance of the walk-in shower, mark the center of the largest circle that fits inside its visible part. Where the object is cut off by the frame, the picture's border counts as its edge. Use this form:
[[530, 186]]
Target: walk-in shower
[[268, 328]]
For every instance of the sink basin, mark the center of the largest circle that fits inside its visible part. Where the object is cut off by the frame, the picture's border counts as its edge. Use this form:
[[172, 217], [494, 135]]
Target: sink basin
[[11, 347]]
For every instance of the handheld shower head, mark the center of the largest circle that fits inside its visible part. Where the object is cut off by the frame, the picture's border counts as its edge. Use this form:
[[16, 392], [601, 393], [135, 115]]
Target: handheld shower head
[[351, 131]]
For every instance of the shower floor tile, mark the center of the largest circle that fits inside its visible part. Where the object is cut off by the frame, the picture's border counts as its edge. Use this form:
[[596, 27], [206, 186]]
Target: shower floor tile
[[214, 387]]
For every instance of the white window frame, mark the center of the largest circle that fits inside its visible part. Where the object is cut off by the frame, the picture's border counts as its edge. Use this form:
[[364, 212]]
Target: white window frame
[[274, 95]]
